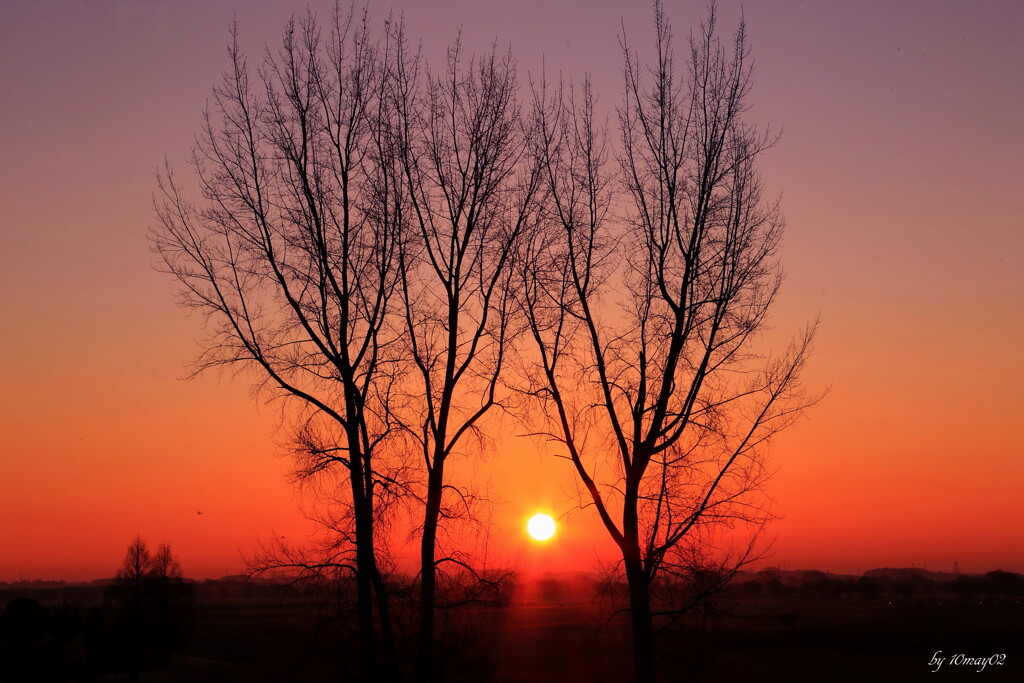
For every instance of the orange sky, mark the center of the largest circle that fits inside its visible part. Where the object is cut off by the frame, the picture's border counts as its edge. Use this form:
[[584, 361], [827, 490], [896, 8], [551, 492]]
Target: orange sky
[[900, 172]]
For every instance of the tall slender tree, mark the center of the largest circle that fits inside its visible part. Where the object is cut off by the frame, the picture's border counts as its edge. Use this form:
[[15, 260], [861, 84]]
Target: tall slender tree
[[470, 187], [645, 288], [292, 257]]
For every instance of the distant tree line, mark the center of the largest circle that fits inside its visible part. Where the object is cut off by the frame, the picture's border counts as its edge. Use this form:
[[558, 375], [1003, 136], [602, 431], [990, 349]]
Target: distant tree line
[[883, 583]]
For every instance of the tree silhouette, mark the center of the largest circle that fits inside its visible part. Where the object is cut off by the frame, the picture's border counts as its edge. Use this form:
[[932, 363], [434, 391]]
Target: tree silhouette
[[645, 288], [373, 235], [351, 251], [470, 188], [292, 259], [150, 604]]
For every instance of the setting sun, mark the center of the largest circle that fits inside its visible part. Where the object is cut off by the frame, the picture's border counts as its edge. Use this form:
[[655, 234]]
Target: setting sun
[[541, 527]]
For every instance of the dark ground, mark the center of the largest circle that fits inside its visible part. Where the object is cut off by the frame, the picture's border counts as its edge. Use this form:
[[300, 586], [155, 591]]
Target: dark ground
[[559, 630]]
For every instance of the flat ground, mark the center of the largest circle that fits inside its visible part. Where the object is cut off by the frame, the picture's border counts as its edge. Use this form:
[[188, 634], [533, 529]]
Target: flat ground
[[562, 631]]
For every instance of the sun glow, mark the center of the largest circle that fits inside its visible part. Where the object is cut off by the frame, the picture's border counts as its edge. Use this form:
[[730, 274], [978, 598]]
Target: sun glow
[[541, 527]]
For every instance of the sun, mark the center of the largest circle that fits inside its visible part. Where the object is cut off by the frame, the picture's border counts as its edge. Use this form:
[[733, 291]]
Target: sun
[[541, 527]]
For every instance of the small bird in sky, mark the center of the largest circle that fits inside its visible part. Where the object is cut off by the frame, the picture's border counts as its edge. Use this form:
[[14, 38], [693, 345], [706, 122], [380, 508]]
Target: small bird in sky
[[198, 512]]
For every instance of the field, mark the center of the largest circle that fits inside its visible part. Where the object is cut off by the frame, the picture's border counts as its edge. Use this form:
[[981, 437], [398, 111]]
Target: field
[[564, 630]]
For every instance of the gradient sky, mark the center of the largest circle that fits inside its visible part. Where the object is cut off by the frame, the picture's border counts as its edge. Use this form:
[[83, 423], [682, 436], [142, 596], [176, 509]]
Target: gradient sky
[[901, 172]]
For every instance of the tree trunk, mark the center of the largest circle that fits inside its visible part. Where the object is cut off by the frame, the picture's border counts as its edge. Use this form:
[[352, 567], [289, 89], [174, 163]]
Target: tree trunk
[[364, 606], [366, 569], [428, 573], [640, 621], [135, 639], [638, 582], [387, 634]]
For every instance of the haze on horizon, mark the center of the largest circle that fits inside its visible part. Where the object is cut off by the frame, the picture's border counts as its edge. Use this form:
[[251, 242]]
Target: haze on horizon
[[899, 172]]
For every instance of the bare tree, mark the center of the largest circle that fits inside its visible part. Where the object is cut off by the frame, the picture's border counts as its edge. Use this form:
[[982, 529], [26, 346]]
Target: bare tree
[[129, 592], [645, 289], [136, 565], [292, 257], [150, 605], [164, 565], [470, 190]]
